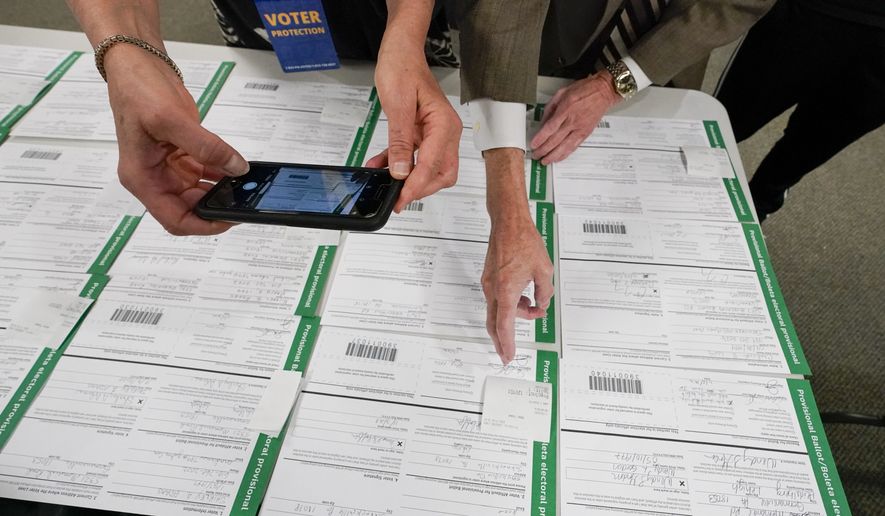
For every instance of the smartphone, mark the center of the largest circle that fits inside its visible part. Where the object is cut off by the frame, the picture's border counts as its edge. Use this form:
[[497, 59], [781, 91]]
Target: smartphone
[[310, 196]]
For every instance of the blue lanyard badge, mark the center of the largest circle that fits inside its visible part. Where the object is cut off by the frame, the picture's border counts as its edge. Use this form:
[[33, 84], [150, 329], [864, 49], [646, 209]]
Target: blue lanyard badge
[[299, 34]]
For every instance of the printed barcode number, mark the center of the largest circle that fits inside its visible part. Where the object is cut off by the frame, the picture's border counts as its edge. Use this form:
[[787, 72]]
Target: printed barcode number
[[35, 154], [610, 384], [261, 86], [603, 124], [415, 206], [128, 315], [610, 228], [375, 352]]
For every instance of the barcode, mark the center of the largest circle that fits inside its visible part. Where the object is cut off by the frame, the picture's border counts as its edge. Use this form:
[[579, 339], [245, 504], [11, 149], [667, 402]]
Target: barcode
[[610, 384], [128, 315], [603, 124], [375, 352], [414, 206], [261, 86], [611, 228], [35, 154]]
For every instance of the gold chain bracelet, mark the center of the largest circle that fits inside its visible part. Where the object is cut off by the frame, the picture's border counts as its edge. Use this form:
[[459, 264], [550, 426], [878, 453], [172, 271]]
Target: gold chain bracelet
[[102, 48]]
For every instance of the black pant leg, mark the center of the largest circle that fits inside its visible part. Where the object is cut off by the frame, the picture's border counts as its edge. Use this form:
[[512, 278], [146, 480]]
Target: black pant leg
[[819, 128], [833, 111], [764, 77]]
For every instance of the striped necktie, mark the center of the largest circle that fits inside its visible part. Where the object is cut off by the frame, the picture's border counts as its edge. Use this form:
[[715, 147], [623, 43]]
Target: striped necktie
[[635, 19]]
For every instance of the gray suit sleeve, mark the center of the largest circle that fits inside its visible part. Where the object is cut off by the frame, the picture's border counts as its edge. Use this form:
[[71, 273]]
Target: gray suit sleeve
[[500, 48], [689, 30]]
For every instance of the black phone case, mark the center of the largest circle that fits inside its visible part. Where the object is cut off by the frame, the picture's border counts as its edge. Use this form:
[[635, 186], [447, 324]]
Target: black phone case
[[302, 220]]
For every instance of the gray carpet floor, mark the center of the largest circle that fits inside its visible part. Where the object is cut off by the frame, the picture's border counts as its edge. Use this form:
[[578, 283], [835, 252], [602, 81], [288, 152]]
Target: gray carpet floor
[[827, 245]]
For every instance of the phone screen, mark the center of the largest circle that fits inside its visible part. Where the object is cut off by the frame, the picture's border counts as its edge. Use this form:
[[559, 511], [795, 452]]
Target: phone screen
[[294, 189], [312, 190]]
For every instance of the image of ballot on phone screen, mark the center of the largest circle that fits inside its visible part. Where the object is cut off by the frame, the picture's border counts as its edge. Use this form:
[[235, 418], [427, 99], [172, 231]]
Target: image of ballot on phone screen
[[350, 198]]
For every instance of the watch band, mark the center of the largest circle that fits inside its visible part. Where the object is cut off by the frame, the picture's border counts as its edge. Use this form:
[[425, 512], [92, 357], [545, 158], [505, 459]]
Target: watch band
[[622, 79]]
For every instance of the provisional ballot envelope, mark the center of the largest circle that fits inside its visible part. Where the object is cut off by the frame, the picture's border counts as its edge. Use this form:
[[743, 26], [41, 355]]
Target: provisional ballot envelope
[[452, 216], [26, 74], [295, 121], [38, 314], [157, 320], [411, 369], [58, 164], [397, 419], [712, 317], [667, 242], [24, 61], [77, 106], [420, 285], [609, 475], [674, 316], [269, 270], [667, 134], [123, 436], [64, 228], [61, 206], [634, 167], [445, 215], [681, 404], [681, 441], [39, 323]]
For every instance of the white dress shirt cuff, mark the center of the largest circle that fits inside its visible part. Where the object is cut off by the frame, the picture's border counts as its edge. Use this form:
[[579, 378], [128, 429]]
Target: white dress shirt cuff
[[642, 80], [497, 124]]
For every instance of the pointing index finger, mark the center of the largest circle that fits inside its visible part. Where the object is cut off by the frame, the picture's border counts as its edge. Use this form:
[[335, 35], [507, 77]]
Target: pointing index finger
[[505, 326]]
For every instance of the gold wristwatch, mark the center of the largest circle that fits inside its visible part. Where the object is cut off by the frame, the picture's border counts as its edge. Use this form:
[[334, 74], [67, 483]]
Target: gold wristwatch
[[622, 79]]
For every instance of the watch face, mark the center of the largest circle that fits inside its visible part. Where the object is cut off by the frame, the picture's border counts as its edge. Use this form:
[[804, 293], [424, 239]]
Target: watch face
[[622, 80], [625, 84]]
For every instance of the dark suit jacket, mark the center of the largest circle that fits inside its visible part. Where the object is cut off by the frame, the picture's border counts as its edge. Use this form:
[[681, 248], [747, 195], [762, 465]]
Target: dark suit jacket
[[501, 39]]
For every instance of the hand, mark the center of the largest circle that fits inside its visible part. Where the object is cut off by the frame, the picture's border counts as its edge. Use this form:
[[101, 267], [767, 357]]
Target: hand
[[419, 116], [571, 115], [164, 151], [516, 255]]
